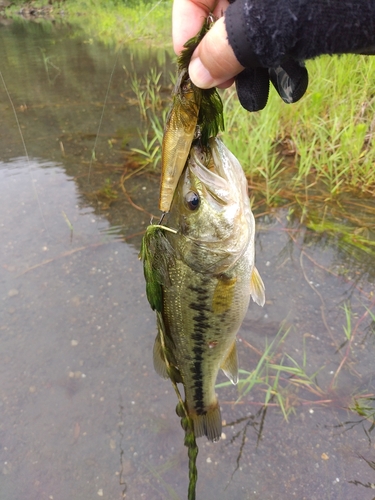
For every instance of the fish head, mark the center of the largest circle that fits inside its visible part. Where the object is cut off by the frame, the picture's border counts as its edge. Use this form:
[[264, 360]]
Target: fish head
[[211, 209]]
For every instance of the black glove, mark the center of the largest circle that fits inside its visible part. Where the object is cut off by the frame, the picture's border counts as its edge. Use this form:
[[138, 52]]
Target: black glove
[[290, 80]]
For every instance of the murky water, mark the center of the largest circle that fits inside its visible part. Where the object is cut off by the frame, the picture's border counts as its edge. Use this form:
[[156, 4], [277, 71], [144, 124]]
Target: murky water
[[82, 413]]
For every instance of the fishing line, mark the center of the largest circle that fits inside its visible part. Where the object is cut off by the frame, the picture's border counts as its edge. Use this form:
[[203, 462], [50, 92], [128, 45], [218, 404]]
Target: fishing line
[[153, 8], [25, 149], [101, 118]]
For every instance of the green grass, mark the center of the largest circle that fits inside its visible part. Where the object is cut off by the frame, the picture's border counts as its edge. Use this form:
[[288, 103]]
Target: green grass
[[328, 136], [115, 21], [123, 22], [315, 156], [153, 106], [324, 143], [284, 382]]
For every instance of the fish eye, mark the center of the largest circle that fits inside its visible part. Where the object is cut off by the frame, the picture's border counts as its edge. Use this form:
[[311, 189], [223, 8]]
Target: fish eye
[[192, 200]]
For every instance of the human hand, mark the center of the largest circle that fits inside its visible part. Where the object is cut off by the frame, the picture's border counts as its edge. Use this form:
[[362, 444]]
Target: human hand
[[214, 63]]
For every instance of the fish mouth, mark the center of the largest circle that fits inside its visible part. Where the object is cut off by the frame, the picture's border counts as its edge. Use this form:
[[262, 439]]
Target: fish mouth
[[210, 171]]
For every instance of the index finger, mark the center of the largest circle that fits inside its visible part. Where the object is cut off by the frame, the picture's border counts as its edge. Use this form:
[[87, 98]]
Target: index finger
[[188, 17]]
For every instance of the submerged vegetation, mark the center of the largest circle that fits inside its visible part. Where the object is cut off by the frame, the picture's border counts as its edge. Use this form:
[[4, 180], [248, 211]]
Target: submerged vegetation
[[285, 382]]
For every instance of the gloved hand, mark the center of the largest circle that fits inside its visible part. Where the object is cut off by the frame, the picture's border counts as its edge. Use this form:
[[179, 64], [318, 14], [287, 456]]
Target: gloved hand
[[214, 63], [252, 85], [289, 79]]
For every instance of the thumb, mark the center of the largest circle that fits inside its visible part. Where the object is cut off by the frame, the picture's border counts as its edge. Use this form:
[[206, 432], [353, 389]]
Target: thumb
[[213, 61]]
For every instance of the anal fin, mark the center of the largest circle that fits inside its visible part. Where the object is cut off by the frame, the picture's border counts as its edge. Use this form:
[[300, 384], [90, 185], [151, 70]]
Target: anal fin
[[230, 364], [257, 288]]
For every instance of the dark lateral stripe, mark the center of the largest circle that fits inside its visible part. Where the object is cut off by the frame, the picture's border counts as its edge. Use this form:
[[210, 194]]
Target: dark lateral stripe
[[200, 326], [198, 306]]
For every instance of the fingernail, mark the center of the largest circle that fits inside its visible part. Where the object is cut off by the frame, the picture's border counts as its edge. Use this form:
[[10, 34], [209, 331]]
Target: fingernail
[[200, 75]]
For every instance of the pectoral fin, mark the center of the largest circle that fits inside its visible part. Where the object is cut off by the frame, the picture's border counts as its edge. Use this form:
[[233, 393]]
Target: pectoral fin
[[257, 288], [223, 295], [230, 364]]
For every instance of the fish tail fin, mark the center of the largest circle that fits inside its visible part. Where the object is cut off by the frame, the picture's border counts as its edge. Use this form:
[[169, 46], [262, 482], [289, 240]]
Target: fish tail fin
[[209, 424]]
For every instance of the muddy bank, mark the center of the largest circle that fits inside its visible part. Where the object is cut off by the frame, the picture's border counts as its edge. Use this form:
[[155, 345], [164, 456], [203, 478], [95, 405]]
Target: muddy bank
[[32, 11]]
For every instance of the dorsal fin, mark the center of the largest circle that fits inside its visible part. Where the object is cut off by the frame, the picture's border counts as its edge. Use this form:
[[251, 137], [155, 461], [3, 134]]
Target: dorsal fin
[[159, 360], [159, 354]]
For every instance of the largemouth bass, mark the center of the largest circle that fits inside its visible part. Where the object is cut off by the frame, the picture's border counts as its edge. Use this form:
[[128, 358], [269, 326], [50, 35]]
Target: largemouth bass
[[200, 275]]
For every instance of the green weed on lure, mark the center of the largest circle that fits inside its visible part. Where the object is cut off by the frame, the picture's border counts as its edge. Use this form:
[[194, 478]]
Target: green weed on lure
[[194, 112]]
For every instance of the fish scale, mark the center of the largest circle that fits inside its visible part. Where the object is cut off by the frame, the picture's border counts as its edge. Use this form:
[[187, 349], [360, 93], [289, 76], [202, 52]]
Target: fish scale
[[191, 328]]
